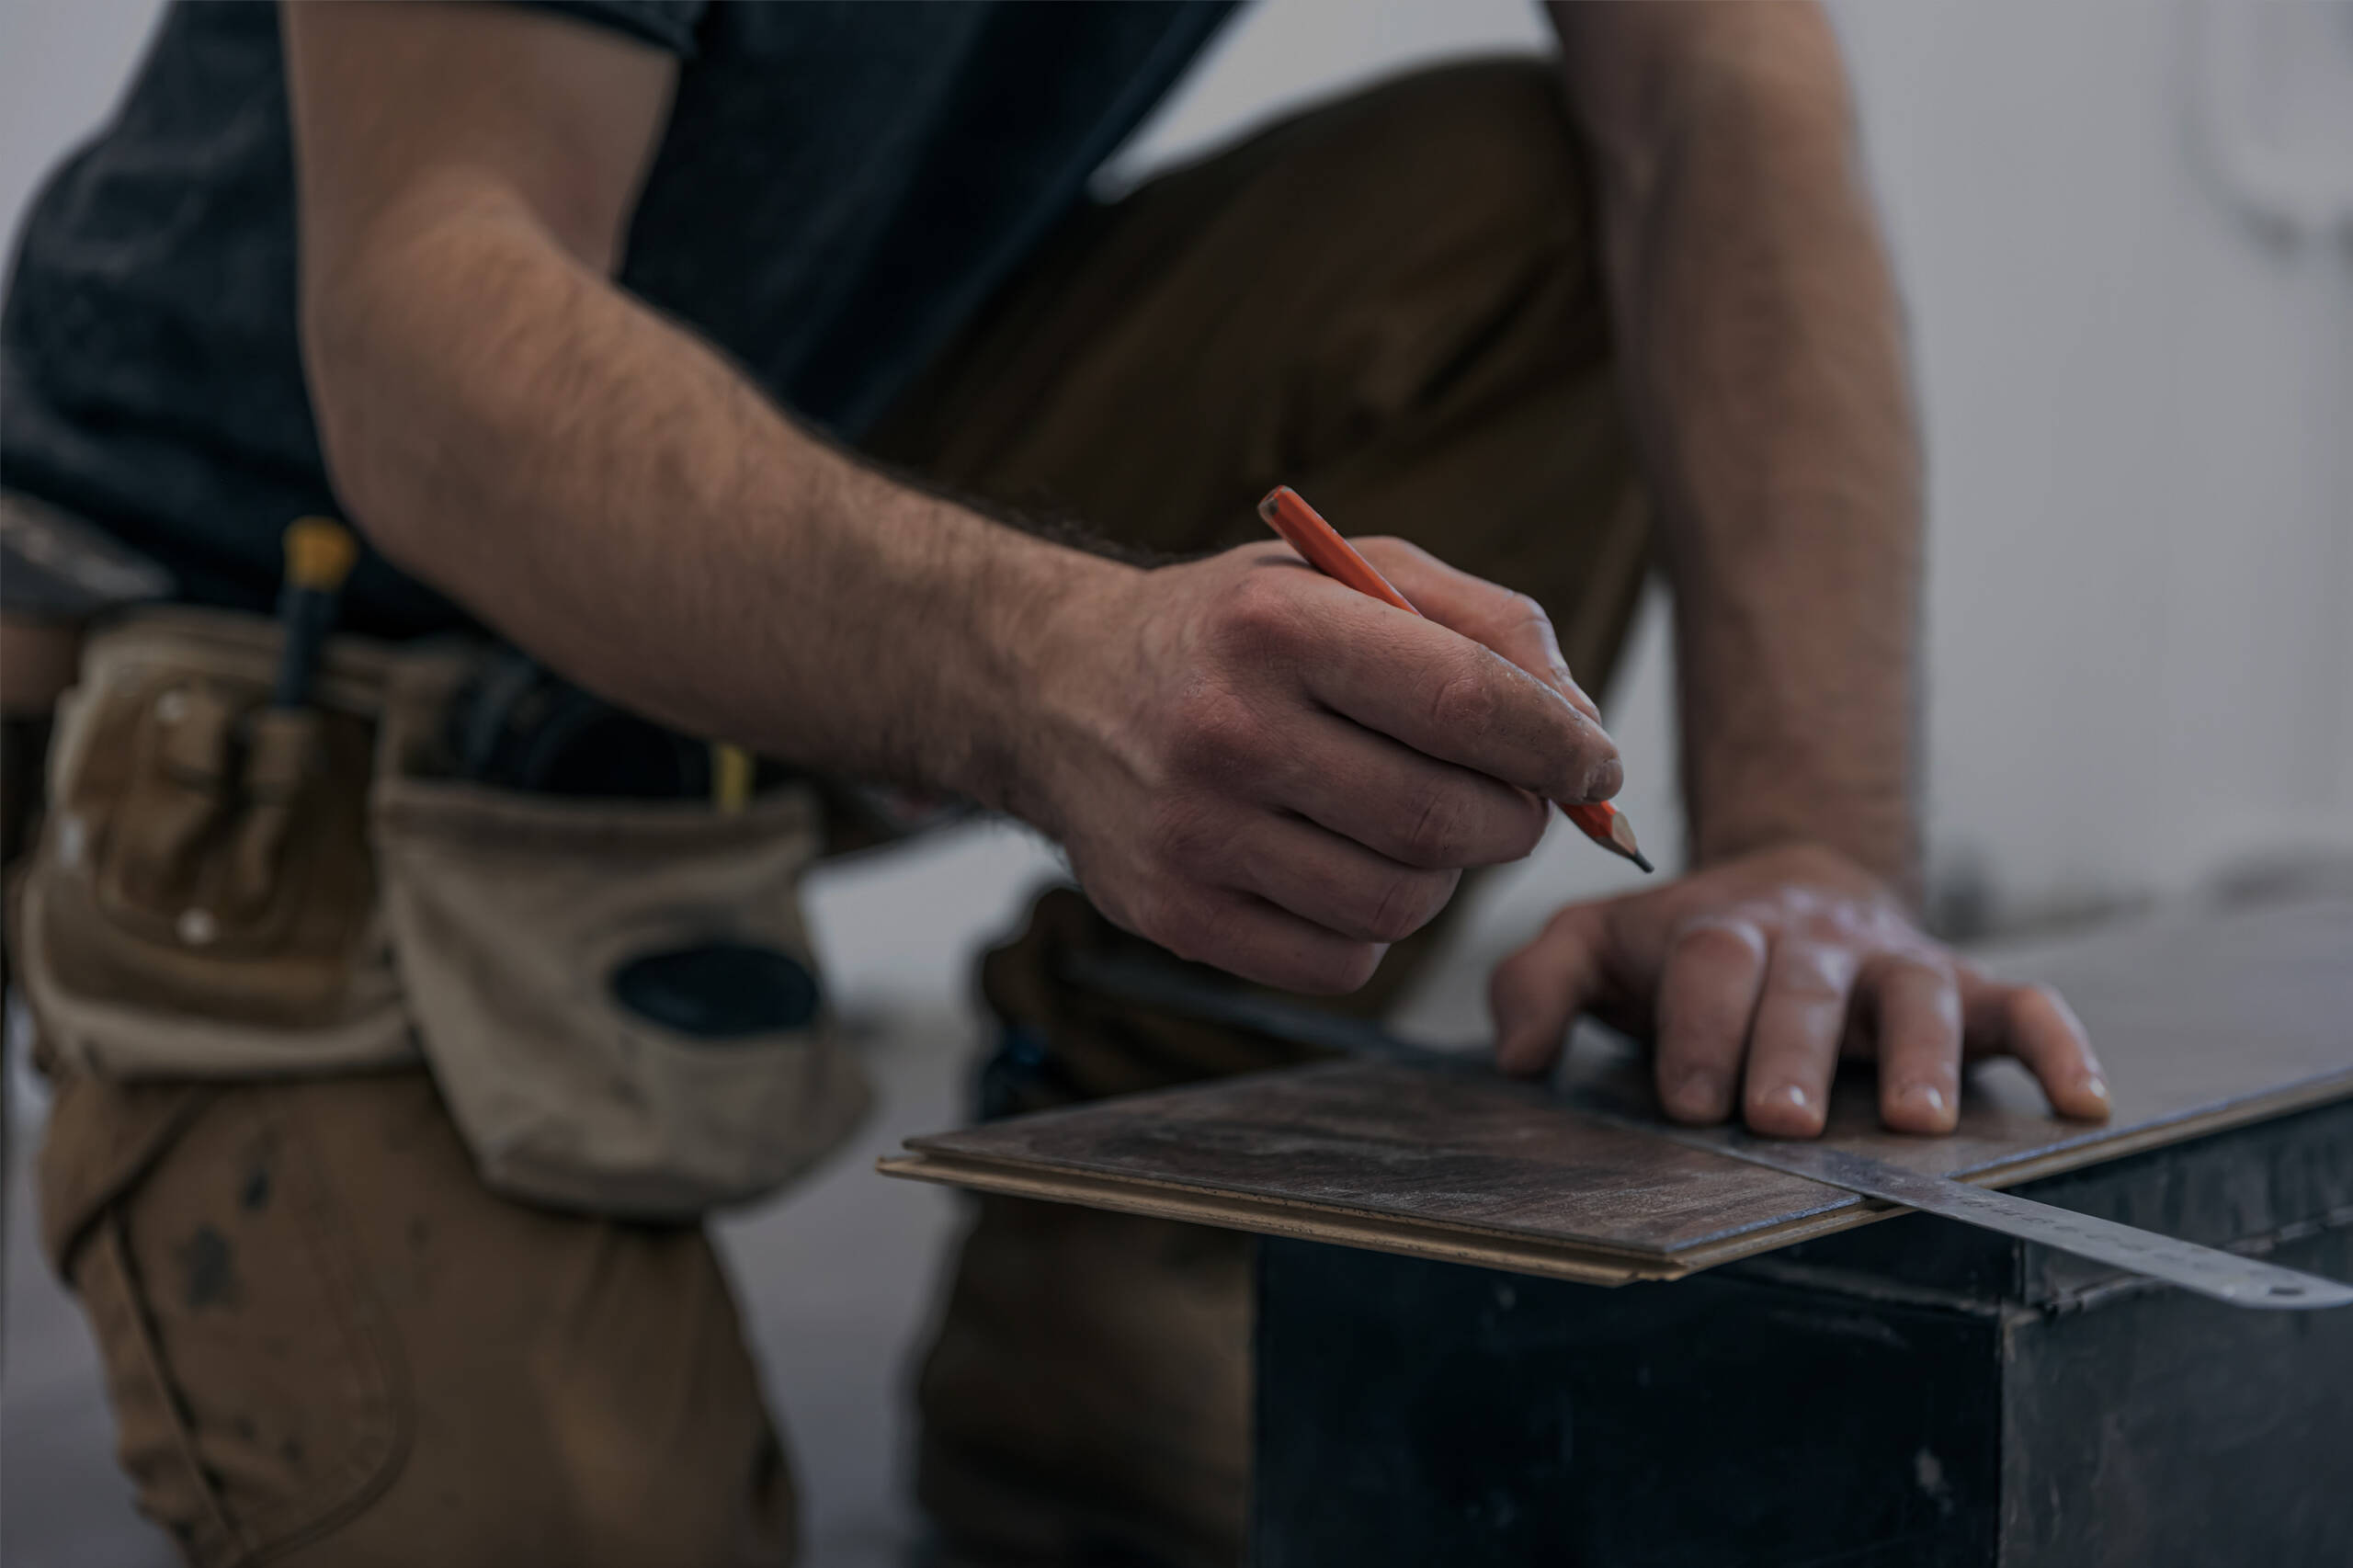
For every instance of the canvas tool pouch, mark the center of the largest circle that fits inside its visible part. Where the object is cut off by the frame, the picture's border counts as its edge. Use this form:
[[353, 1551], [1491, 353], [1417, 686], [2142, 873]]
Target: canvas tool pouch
[[227, 890], [525, 923], [202, 901]]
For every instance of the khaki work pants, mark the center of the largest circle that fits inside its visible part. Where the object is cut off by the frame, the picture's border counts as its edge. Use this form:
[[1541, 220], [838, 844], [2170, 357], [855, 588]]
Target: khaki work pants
[[326, 1342]]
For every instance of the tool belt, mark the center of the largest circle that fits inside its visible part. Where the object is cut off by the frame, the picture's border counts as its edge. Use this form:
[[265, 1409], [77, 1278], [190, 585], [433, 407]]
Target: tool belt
[[228, 890]]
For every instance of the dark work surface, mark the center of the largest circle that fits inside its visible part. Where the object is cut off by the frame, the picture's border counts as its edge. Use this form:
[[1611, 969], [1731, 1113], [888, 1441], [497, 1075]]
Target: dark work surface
[[1913, 1392], [1412, 1412], [2154, 1429]]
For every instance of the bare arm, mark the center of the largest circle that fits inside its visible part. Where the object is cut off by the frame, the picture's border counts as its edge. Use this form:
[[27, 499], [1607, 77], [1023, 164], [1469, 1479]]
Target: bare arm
[[1244, 761], [583, 474], [1763, 363]]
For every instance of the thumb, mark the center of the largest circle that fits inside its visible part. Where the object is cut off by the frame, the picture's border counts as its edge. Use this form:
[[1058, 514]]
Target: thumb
[[1537, 991]]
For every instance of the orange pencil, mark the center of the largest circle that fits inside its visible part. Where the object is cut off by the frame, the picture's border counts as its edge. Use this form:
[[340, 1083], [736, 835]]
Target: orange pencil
[[1289, 514]]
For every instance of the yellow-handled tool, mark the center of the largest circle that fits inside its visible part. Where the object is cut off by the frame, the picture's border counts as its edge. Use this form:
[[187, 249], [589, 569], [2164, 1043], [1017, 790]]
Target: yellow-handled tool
[[319, 553]]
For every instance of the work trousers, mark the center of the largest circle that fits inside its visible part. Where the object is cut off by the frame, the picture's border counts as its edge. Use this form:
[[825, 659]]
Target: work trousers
[[326, 1342]]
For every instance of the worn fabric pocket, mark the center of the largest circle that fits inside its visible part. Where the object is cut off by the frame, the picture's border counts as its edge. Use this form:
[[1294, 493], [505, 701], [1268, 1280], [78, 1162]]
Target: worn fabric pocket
[[532, 934], [203, 902]]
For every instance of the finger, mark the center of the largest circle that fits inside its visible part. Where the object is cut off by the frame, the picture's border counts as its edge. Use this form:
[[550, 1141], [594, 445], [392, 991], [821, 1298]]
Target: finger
[[1537, 991], [2034, 1024], [1401, 804], [1707, 999], [1512, 623], [1449, 698], [1793, 1047], [1331, 882], [1249, 938], [1915, 1009]]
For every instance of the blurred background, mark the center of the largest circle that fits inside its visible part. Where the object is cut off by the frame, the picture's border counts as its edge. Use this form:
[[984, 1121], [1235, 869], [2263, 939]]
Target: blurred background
[[2126, 238]]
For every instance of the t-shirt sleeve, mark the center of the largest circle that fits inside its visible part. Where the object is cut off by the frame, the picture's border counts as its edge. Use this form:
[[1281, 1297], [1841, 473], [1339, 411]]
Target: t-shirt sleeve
[[665, 24]]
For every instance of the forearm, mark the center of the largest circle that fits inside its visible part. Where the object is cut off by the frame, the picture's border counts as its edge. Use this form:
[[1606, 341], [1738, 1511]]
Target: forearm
[[1763, 365], [609, 493]]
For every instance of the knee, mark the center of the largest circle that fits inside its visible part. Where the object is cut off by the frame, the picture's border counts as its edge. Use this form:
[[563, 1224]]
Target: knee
[[1488, 140]]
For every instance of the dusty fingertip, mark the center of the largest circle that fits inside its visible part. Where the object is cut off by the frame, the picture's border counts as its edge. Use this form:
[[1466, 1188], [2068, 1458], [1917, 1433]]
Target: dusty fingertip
[[2091, 1100], [1786, 1112], [1522, 1058], [1921, 1107], [1699, 1097]]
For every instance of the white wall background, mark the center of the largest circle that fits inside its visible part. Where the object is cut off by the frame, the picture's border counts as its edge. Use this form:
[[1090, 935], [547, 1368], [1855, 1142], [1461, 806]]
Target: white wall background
[[2139, 403]]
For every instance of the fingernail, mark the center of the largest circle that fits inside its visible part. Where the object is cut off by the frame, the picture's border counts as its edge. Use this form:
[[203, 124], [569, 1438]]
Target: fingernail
[[2096, 1086], [1606, 778], [1928, 1097], [1796, 1096], [1700, 1090]]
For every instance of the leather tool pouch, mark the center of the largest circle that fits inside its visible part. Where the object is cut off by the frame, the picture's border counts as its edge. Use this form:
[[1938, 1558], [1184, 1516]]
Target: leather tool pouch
[[617, 998]]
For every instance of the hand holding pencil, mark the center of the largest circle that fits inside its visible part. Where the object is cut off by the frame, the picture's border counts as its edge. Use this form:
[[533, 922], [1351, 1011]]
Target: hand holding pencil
[[1305, 531], [1261, 769]]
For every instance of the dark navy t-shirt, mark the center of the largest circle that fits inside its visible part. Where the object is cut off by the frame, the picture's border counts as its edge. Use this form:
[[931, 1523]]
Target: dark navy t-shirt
[[840, 184]]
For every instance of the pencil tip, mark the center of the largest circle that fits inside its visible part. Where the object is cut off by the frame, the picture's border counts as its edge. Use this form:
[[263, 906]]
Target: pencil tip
[[1621, 838]]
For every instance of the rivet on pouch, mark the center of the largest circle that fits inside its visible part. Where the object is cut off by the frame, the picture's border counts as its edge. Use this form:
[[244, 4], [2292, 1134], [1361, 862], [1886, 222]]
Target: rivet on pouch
[[172, 707], [197, 928], [72, 838]]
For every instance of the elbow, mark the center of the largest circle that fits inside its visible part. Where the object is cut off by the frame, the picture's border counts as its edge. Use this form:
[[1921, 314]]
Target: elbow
[[1772, 73], [1658, 85], [354, 410]]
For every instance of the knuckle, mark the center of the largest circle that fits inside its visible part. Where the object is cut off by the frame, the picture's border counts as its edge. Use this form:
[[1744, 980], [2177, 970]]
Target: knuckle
[[1263, 617], [1402, 905], [1571, 924], [1178, 923], [1923, 970], [1151, 915], [1392, 551], [1813, 972], [1519, 614], [1182, 835], [1440, 830], [1463, 702], [1217, 737], [1720, 943], [2033, 1004]]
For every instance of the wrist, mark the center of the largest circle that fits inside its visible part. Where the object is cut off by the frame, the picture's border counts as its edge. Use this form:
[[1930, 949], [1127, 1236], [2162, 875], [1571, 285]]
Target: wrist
[[1040, 651], [1881, 835]]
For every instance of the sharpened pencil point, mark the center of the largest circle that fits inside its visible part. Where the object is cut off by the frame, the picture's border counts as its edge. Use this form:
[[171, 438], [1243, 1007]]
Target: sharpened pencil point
[[1621, 838]]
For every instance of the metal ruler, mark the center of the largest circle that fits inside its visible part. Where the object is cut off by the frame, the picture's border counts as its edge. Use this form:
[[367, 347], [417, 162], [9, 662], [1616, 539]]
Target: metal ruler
[[2208, 1271]]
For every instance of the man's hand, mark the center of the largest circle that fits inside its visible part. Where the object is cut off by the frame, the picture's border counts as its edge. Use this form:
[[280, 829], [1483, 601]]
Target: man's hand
[[1264, 770], [1754, 976]]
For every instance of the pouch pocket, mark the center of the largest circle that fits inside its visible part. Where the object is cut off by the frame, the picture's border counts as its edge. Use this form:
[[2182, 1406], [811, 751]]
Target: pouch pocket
[[559, 957], [203, 902]]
